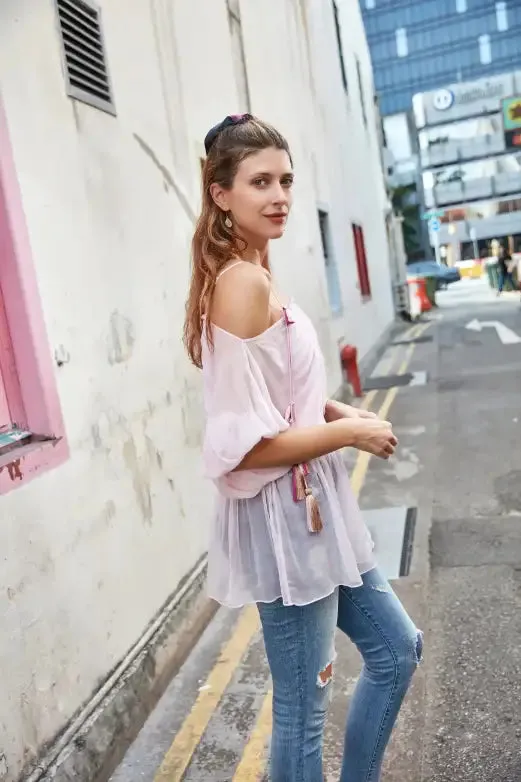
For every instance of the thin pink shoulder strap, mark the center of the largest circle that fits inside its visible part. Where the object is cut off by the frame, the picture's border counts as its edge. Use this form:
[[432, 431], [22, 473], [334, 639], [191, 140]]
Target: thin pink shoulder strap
[[231, 266], [290, 413]]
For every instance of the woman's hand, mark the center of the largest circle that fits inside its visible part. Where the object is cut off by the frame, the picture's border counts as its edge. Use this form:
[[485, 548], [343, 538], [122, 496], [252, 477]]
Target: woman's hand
[[335, 410], [375, 437]]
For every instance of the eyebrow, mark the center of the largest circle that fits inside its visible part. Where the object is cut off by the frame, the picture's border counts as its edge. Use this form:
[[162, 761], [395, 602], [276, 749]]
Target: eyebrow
[[289, 174]]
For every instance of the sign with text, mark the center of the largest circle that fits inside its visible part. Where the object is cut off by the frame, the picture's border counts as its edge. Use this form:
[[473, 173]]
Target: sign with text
[[511, 109], [432, 213], [465, 99]]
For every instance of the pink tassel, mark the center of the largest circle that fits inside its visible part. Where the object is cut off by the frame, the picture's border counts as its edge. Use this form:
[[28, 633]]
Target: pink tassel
[[301, 491], [299, 483], [315, 523]]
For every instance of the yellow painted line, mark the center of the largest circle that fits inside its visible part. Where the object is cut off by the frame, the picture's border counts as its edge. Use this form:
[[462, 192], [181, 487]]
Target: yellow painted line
[[363, 459], [389, 360], [180, 753], [252, 762], [383, 368], [251, 767], [359, 472], [362, 462], [392, 392], [411, 332], [367, 401], [384, 365]]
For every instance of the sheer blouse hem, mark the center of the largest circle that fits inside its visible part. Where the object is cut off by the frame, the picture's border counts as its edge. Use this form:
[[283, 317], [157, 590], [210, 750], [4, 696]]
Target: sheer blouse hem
[[227, 603]]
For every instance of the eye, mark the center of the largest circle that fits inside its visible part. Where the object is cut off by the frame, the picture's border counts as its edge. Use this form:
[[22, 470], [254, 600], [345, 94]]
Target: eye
[[260, 182], [287, 182]]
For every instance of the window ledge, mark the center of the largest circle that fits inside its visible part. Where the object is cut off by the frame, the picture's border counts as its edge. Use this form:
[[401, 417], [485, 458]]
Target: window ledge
[[26, 461], [13, 438]]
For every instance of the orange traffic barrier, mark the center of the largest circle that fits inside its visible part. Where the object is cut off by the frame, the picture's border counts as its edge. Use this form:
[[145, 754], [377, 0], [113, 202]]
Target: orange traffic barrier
[[419, 301]]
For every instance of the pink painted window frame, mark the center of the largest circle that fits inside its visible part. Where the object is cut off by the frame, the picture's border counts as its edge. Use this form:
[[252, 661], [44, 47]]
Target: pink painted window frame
[[28, 372], [6, 417], [11, 405]]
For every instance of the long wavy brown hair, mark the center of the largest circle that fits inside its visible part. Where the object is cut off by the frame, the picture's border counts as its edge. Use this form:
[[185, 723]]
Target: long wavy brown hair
[[214, 244]]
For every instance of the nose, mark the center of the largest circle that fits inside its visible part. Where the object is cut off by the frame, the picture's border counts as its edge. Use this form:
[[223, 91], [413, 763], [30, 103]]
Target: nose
[[280, 196]]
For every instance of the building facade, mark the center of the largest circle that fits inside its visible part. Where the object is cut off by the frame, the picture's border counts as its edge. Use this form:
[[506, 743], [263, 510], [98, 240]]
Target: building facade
[[471, 166], [104, 510], [420, 45]]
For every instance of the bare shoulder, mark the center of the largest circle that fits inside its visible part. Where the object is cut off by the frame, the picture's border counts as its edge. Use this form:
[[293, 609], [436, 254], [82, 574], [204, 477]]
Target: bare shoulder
[[241, 302]]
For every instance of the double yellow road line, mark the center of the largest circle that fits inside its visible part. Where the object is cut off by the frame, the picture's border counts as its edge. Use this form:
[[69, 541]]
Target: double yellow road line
[[185, 743], [252, 763]]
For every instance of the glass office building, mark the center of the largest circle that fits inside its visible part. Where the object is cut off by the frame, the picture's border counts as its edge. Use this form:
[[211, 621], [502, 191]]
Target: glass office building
[[420, 45]]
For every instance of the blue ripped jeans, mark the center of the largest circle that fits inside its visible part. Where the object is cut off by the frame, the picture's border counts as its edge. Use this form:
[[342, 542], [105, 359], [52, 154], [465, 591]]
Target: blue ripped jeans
[[299, 643]]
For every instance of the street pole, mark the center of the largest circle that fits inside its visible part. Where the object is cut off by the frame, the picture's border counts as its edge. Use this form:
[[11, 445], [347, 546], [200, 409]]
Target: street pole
[[434, 237], [436, 243], [437, 246], [472, 233]]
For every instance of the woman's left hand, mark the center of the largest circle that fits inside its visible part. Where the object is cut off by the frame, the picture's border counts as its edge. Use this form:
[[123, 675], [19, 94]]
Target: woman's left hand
[[335, 410]]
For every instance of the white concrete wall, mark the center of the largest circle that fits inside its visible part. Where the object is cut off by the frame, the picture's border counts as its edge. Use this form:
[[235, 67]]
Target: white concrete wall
[[349, 176], [92, 550]]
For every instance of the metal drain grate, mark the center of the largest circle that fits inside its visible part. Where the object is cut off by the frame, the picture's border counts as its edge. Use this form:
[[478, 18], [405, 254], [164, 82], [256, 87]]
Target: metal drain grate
[[408, 541], [393, 530]]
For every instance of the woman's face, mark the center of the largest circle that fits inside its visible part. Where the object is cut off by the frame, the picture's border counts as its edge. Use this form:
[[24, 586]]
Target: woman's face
[[260, 198]]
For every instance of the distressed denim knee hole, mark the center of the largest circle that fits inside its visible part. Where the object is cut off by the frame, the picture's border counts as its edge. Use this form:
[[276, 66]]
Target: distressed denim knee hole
[[325, 676]]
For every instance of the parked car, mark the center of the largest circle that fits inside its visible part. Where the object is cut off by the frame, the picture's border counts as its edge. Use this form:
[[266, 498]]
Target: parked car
[[444, 275]]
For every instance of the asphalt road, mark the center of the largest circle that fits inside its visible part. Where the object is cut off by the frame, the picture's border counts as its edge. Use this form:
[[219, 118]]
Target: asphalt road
[[473, 709], [458, 470]]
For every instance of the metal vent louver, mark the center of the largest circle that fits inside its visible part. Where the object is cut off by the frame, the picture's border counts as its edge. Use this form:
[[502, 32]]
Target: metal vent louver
[[84, 53]]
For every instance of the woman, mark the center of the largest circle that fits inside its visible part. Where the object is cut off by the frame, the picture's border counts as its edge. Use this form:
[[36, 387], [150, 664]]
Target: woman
[[288, 533]]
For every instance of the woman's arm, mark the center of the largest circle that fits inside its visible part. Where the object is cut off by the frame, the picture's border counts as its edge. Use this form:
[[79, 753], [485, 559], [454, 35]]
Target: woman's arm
[[241, 306], [334, 411], [303, 444]]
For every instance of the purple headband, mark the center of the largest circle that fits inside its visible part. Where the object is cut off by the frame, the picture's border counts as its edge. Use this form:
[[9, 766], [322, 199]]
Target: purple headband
[[231, 119]]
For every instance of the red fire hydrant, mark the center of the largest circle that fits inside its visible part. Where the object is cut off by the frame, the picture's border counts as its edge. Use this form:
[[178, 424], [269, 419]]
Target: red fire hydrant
[[349, 361]]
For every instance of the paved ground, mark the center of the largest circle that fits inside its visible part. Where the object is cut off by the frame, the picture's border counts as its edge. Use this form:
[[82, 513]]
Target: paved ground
[[459, 468]]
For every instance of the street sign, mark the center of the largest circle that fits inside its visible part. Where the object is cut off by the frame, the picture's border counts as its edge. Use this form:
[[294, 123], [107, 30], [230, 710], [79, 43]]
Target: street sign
[[432, 213], [434, 224]]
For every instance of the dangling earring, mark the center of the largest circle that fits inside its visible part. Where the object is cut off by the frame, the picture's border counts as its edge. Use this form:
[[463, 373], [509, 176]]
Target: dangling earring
[[228, 223]]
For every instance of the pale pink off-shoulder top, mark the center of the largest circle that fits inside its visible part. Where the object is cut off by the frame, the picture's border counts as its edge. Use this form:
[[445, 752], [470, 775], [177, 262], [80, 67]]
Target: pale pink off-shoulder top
[[261, 548]]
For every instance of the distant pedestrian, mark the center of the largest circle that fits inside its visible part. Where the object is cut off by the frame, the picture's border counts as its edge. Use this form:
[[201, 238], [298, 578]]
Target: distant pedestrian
[[506, 267], [288, 534]]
